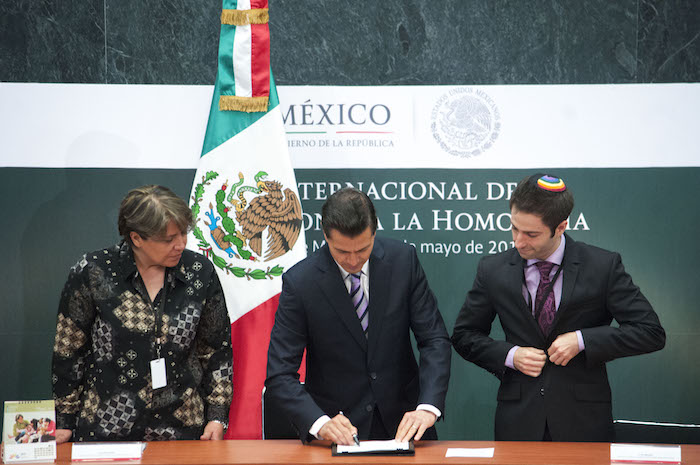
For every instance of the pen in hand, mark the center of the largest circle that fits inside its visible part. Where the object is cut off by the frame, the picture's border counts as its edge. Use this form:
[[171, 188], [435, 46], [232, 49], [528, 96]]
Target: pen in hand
[[354, 435]]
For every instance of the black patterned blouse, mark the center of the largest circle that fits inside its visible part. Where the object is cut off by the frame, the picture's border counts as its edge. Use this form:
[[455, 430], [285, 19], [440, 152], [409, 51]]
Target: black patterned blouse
[[106, 339]]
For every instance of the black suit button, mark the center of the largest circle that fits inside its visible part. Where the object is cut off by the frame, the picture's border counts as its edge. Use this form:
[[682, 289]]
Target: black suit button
[[369, 408], [542, 391], [373, 375]]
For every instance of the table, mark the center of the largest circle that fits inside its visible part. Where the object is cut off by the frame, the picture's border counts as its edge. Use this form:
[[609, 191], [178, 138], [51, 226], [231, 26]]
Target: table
[[292, 452]]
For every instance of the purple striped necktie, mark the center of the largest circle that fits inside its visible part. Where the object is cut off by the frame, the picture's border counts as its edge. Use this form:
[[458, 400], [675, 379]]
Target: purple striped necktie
[[549, 309], [359, 301]]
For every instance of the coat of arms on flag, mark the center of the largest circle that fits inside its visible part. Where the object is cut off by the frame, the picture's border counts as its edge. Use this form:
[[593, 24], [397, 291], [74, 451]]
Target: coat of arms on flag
[[248, 217], [238, 227]]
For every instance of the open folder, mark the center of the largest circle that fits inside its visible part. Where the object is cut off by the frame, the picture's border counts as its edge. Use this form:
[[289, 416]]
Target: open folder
[[376, 448]]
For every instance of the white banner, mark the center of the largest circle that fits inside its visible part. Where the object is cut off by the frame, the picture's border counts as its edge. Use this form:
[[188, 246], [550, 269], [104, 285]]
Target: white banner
[[155, 126]]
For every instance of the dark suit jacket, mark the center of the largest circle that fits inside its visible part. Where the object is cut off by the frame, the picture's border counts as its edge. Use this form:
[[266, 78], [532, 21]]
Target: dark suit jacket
[[344, 369], [574, 400]]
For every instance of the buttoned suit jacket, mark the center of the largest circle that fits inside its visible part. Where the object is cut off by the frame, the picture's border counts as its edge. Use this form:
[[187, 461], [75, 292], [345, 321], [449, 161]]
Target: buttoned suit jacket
[[573, 400], [346, 371]]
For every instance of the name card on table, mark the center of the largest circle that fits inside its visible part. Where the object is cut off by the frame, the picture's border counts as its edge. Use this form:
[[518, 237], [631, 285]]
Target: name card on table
[[86, 451], [642, 453], [483, 452]]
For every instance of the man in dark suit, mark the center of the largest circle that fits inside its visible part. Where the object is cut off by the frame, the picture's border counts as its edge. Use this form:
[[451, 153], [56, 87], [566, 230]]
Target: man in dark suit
[[555, 299], [352, 305]]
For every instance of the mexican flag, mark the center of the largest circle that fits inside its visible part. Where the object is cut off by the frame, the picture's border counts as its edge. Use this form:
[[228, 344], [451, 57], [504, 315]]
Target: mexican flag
[[245, 201]]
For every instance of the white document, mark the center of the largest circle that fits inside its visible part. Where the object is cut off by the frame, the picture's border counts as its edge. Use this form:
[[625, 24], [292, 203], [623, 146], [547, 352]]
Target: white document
[[373, 446], [485, 452], [641, 453], [107, 450]]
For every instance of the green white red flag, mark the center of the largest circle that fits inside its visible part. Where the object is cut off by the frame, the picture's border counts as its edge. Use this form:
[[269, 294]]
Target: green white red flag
[[245, 201]]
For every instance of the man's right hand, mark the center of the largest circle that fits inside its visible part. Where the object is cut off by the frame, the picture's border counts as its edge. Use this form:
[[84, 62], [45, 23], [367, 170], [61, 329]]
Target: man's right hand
[[339, 430], [529, 360], [63, 435]]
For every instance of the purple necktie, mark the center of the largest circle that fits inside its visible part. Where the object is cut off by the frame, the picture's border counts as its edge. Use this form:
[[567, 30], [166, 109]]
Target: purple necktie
[[359, 301], [549, 308]]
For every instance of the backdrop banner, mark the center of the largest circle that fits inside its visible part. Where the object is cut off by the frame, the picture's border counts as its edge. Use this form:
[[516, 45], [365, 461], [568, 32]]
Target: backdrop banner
[[155, 126], [439, 162]]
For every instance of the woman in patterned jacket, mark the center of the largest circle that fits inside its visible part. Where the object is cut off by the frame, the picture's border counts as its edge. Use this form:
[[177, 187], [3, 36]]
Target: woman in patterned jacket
[[143, 338]]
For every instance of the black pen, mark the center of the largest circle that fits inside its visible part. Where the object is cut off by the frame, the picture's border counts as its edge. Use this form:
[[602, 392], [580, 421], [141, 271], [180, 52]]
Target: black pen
[[354, 435]]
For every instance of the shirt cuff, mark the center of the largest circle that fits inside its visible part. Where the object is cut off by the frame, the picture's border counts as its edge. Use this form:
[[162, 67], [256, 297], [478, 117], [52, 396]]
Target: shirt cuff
[[510, 356], [581, 345], [430, 408], [318, 424]]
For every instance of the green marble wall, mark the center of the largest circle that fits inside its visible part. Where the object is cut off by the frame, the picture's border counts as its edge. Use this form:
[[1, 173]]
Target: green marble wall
[[394, 42]]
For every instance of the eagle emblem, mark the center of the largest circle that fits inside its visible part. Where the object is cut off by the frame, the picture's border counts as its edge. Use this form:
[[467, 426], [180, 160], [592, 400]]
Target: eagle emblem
[[252, 223]]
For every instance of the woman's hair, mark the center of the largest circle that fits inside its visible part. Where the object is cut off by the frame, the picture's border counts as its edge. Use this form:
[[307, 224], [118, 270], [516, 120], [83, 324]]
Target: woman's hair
[[148, 210]]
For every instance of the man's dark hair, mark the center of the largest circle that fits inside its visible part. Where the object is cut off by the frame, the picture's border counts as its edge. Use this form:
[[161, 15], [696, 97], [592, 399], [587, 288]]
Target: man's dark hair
[[552, 207], [348, 211]]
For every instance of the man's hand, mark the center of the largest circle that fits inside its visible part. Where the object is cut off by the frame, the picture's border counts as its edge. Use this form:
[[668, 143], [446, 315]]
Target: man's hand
[[63, 435], [563, 349], [339, 430], [414, 424], [529, 361], [214, 431]]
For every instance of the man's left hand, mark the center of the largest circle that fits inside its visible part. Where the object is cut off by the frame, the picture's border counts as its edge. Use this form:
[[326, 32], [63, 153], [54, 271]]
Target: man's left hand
[[414, 424], [563, 349], [214, 431]]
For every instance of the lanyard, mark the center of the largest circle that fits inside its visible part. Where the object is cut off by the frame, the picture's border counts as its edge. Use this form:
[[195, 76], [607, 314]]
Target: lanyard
[[160, 309], [545, 293]]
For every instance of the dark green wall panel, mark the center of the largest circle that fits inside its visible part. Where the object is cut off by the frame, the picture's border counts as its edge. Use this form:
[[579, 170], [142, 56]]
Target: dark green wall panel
[[648, 215]]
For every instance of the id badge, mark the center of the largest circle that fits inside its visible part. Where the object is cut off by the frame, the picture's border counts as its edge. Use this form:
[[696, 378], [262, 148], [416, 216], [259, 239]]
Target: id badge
[[158, 377]]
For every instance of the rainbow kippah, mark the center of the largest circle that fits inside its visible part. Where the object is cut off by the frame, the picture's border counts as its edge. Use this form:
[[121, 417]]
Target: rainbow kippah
[[552, 184]]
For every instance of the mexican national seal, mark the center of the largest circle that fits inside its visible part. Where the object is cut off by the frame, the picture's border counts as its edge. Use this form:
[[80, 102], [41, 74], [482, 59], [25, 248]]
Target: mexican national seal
[[465, 122]]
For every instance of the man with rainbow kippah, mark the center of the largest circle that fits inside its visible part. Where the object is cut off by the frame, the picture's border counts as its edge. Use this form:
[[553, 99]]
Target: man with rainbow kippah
[[555, 299]]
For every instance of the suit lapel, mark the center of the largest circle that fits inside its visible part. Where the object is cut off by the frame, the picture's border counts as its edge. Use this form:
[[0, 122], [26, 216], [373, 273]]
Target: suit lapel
[[379, 282], [332, 285], [570, 267]]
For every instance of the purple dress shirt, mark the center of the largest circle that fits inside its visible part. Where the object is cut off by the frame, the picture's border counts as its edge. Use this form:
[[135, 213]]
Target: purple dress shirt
[[532, 280]]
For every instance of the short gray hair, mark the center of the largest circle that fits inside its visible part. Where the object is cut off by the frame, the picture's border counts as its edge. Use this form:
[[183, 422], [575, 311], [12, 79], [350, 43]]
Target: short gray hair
[[148, 210]]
